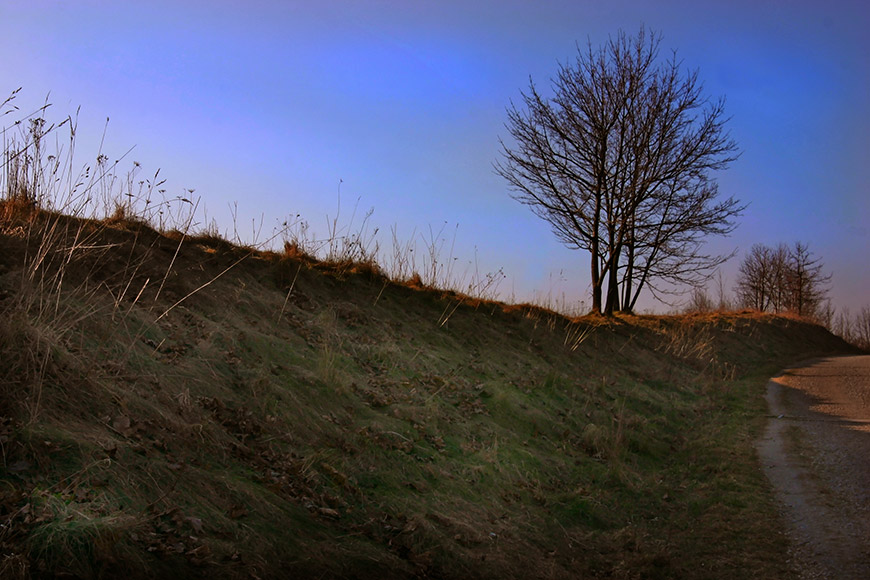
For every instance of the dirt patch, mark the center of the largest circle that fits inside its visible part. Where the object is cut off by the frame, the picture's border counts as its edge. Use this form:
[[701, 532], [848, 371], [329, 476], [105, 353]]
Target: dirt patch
[[814, 453]]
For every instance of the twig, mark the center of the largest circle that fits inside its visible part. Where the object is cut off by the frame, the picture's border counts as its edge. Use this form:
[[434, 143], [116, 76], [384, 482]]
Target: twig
[[191, 293], [290, 291]]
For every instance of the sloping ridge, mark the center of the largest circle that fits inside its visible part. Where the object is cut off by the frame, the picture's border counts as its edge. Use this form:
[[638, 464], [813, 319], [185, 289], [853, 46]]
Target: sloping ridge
[[178, 406]]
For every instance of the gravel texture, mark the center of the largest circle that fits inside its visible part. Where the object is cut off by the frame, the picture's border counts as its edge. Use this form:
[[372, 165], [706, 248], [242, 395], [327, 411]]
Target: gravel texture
[[816, 453]]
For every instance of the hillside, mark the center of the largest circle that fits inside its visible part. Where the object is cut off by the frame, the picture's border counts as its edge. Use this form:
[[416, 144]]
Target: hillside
[[175, 406]]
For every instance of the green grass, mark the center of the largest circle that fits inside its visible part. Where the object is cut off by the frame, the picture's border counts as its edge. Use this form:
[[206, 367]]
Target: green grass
[[174, 405], [345, 431]]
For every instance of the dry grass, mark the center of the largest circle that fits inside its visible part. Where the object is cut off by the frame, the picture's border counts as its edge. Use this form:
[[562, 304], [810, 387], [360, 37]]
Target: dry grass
[[343, 404], [180, 405]]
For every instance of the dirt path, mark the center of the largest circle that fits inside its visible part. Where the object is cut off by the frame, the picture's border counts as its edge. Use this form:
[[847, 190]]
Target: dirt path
[[816, 452]]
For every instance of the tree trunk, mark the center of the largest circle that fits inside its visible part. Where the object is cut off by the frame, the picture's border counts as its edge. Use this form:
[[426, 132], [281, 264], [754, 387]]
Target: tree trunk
[[612, 303], [596, 276], [627, 303], [596, 297]]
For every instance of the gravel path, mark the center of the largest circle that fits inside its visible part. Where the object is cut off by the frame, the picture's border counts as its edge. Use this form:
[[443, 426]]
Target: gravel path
[[816, 452]]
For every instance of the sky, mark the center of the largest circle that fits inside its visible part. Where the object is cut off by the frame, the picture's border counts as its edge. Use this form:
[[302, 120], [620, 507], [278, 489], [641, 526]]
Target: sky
[[285, 108]]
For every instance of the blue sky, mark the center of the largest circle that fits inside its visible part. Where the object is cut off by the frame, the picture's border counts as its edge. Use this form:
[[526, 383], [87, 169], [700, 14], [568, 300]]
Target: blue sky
[[272, 104]]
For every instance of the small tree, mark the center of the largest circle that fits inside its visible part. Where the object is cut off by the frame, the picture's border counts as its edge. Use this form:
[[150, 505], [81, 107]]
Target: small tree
[[861, 328], [782, 279], [844, 325], [753, 278], [807, 284], [699, 302], [619, 161]]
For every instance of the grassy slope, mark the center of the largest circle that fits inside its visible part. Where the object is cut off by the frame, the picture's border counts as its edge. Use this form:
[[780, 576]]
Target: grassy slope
[[309, 418]]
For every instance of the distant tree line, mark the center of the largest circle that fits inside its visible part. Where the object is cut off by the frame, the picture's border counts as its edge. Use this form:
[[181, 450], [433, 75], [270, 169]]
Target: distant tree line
[[619, 159], [782, 279], [854, 328]]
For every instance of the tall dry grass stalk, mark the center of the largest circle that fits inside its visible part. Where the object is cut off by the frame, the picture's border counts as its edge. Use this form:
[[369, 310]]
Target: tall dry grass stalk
[[41, 172], [422, 259], [58, 211]]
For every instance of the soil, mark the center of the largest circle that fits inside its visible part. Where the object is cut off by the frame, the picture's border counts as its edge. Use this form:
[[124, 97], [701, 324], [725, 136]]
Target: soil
[[815, 452]]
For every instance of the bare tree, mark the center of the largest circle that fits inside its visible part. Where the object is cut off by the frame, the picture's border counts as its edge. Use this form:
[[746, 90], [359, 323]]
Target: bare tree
[[619, 160], [783, 279], [861, 328], [753, 278], [807, 284], [699, 302], [844, 325], [723, 300], [778, 281], [826, 313]]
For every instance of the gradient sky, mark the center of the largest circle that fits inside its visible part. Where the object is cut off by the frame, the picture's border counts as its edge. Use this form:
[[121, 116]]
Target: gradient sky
[[273, 104]]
